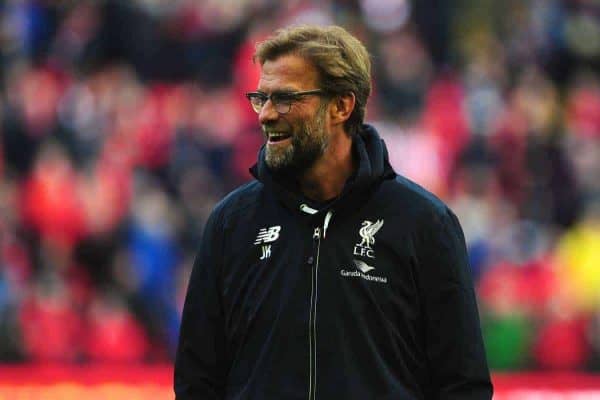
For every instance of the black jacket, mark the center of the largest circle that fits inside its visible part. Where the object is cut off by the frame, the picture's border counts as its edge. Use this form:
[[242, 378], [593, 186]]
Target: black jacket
[[367, 297]]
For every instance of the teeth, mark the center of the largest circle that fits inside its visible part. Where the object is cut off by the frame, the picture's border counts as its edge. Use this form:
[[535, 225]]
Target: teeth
[[277, 134]]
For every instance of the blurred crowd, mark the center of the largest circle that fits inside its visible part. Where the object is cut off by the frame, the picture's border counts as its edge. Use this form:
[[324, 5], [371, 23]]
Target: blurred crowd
[[122, 123]]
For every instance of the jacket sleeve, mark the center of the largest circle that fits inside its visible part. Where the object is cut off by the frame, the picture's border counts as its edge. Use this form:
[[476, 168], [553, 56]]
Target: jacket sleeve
[[453, 342], [200, 363]]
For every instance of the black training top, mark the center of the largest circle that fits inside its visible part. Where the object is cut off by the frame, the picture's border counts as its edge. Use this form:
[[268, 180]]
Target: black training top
[[367, 297]]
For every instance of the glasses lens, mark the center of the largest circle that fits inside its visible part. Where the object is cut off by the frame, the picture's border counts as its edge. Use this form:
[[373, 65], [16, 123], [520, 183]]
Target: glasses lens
[[283, 107], [256, 101], [282, 102]]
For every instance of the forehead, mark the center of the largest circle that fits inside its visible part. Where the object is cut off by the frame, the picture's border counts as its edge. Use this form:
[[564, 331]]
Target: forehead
[[288, 72]]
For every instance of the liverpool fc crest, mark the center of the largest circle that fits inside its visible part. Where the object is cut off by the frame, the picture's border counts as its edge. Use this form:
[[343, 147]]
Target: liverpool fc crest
[[367, 233]]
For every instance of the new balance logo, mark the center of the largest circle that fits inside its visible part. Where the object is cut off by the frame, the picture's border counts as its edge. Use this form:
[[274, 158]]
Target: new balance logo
[[268, 235]]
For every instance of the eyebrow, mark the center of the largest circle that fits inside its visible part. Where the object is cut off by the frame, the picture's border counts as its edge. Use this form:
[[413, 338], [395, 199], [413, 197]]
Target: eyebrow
[[280, 90]]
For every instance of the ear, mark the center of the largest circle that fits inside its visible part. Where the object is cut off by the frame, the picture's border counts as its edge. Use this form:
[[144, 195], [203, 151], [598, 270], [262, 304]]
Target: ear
[[341, 108]]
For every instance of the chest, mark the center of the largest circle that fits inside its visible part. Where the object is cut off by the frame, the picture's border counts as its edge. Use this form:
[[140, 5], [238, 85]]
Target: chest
[[276, 265]]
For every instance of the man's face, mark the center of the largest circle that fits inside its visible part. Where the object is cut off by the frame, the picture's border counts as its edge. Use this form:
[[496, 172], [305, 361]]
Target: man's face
[[297, 139]]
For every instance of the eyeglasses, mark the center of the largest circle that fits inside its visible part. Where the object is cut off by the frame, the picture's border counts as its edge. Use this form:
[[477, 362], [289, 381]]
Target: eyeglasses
[[282, 101]]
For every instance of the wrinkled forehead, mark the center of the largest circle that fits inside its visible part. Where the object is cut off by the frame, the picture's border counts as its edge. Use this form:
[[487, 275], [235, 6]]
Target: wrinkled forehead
[[288, 72]]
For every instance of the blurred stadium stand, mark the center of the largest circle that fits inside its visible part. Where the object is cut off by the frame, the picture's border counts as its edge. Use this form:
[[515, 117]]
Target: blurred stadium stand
[[122, 123]]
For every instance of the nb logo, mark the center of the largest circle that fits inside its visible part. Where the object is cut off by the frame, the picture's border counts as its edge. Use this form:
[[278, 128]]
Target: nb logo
[[268, 235]]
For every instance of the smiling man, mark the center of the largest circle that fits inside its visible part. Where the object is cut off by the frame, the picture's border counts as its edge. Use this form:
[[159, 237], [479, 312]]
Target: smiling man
[[329, 276]]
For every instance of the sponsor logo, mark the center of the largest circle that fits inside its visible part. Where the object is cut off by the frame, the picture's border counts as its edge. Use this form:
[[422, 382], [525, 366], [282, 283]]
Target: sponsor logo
[[361, 271], [363, 266], [267, 235], [367, 233]]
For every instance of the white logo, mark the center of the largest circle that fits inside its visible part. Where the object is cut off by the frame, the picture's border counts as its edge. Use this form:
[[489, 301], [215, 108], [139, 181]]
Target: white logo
[[361, 272], [367, 233], [268, 235], [266, 251], [363, 266]]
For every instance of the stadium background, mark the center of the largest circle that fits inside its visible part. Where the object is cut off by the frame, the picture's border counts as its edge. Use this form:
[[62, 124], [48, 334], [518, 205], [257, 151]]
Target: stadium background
[[122, 123]]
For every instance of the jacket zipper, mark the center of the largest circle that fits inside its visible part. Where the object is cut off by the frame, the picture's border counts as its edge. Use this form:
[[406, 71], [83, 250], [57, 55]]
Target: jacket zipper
[[312, 329]]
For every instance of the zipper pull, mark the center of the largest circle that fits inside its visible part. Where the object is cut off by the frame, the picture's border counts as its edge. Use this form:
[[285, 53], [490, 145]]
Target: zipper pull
[[326, 222], [315, 245], [317, 233]]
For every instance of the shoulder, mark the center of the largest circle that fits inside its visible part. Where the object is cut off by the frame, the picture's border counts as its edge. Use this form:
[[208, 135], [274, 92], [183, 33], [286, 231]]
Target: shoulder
[[237, 202], [413, 201]]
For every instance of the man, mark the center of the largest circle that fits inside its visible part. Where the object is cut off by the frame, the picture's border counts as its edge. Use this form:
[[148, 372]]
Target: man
[[329, 276]]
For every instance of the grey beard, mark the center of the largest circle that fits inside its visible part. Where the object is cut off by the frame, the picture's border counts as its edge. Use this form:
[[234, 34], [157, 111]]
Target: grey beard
[[307, 146], [297, 158]]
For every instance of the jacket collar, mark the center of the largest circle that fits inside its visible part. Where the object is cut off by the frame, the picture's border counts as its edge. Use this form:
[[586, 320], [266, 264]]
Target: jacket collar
[[373, 167]]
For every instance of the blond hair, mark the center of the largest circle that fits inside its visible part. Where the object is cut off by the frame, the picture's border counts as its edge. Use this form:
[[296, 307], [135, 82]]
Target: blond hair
[[341, 59]]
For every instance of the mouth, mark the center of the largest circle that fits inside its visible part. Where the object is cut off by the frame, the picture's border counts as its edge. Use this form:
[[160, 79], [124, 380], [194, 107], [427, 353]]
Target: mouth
[[276, 137]]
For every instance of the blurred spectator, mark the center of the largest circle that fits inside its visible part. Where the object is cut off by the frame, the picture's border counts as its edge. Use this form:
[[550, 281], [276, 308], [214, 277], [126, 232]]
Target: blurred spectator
[[29, 117], [533, 166], [122, 123], [154, 254], [409, 143], [51, 205], [51, 326], [562, 344], [404, 74], [507, 326], [583, 105], [579, 260], [114, 334]]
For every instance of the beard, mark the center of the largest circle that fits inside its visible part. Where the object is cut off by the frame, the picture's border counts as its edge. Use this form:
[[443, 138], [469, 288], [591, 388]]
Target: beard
[[308, 143]]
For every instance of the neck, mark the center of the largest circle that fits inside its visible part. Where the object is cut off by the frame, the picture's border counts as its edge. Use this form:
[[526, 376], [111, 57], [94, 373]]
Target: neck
[[325, 180]]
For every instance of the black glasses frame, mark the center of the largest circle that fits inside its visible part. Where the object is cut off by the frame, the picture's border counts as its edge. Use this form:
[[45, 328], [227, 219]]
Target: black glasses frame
[[282, 101]]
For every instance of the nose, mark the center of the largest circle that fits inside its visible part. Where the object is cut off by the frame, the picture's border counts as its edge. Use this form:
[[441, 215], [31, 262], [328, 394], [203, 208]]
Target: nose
[[268, 113]]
